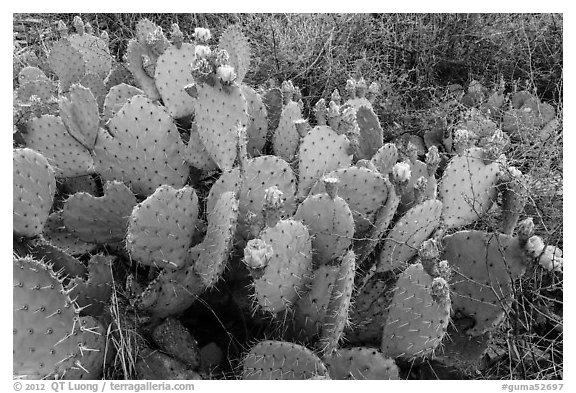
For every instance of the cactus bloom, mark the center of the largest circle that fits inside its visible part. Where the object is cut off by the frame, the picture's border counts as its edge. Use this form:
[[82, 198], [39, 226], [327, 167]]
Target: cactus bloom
[[226, 73], [401, 172], [202, 51], [201, 34], [551, 259]]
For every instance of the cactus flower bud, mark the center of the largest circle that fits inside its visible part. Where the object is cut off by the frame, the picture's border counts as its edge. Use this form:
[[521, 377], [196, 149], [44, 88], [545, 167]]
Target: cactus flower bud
[[336, 97], [432, 160], [202, 35], [351, 88], [444, 270], [401, 173], [534, 246], [226, 74], [331, 186], [551, 259], [78, 25], [202, 51], [525, 230], [62, 28], [221, 57], [273, 198], [440, 290], [257, 254], [429, 250], [88, 28]]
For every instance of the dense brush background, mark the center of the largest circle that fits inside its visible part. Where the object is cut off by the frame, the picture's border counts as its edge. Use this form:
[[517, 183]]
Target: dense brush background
[[417, 56]]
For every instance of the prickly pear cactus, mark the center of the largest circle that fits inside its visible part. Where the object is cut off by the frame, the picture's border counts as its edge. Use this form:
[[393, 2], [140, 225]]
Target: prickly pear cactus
[[170, 293], [288, 266], [67, 63], [484, 266], [49, 136], [361, 363], [135, 55], [92, 294], [385, 158], [272, 100], [310, 309], [260, 173], [80, 115], [142, 148], [49, 338], [94, 51], [172, 73], [281, 360], [364, 190], [321, 151], [161, 227], [336, 318], [100, 219], [468, 188], [404, 239], [118, 95], [286, 137], [370, 311], [371, 133], [210, 256], [56, 233], [34, 186], [419, 315], [220, 112], [196, 153], [236, 44], [258, 121], [329, 220]]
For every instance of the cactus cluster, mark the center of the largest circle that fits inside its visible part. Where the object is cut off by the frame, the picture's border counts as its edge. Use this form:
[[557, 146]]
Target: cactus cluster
[[340, 236]]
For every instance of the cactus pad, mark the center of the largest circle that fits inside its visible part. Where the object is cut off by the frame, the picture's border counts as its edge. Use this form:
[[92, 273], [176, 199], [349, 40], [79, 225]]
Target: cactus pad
[[311, 308], [363, 189], [95, 53], [260, 173], [93, 294], [236, 44], [220, 113], [371, 134], [118, 95], [288, 270], [286, 137], [34, 186], [336, 317], [80, 115], [96, 86], [322, 150], [404, 239], [44, 320], [196, 153], [48, 135], [143, 148], [171, 292], [212, 254], [331, 224], [258, 124], [58, 235], [361, 363], [370, 311], [67, 63], [467, 188], [272, 99], [417, 321], [161, 227], [100, 219], [171, 75], [281, 360], [484, 267]]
